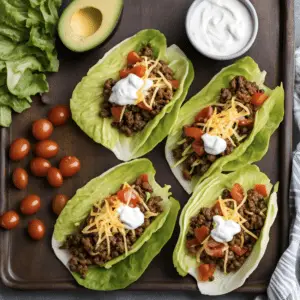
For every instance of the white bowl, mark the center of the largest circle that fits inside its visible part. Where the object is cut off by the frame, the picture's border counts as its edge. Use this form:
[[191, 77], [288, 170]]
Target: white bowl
[[254, 17]]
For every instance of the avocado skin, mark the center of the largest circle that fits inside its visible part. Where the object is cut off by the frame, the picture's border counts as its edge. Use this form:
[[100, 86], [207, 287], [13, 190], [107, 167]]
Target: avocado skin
[[98, 39]]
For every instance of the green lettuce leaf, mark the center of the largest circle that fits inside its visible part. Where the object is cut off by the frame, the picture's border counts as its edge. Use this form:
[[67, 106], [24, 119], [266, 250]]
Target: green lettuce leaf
[[5, 116], [87, 97], [205, 195], [27, 51], [108, 183], [255, 146]]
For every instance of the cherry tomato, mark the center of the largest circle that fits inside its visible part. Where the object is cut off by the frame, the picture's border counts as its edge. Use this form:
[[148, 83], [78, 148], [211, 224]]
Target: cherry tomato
[[36, 229], [198, 147], [193, 132], [246, 122], [217, 208], [59, 115], [46, 148], [128, 196], [30, 205], [192, 243], [238, 250], [19, 149], [69, 166], [42, 129], [9, 220], [139, 70], [175, 84], [237, 193], [133, 58], [40, 166], [117, 112], [124, 73], [201, 233], [59, 202], [206, 271], [54, 177], [204, 114], [20, 178], [261, 189], [259, 98]]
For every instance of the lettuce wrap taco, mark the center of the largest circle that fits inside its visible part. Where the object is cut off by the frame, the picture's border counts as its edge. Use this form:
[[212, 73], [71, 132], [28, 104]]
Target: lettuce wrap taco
[[226, 125], [116, 224], [224, 229], [130, 99]]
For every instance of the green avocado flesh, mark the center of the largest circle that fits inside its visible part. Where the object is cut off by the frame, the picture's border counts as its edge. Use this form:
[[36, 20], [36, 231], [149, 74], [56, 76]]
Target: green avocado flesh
[[86, 24]]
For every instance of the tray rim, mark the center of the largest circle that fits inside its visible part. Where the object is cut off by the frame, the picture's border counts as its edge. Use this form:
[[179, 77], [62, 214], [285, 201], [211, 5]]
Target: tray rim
[[287, 69]]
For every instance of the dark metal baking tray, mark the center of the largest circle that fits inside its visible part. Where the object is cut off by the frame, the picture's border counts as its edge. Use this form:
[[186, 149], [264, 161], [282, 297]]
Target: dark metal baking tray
[[26, 264]]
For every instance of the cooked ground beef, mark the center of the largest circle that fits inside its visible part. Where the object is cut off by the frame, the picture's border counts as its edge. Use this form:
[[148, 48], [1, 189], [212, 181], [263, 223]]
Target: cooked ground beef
[[82, 246], [243, 90], [251, 211], [135, 118]]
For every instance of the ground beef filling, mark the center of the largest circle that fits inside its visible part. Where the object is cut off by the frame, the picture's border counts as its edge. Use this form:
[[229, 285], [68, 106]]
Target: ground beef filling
[[251, 211], [135, 119], [243, 90], [82, 246]]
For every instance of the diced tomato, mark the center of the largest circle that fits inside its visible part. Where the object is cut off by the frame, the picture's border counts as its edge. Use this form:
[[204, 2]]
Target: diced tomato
[[246, 122], [133, 58], [214, 248], [144, 106], [261, 189], [206, 271], [198, 147], [237, 193], [201, 233], [259, 98], [124, 73], [193, 132], [191, 243], [217, 207], [138, 71], [238, 250], [205, 113], [117, 112], [213, 244], [144, 178], [175, 83], [128, 196]]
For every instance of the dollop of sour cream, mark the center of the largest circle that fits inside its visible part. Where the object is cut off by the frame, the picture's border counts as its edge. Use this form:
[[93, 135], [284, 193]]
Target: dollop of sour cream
[[221, 27], [124, 92], [224, 229], [131, 217], [213, 144]]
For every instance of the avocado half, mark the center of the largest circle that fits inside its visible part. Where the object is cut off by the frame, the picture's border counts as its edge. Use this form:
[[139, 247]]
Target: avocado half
[[85, 24]]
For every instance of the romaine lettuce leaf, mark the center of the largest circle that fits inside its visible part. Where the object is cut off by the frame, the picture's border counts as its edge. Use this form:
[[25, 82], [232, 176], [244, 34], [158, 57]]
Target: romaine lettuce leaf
[[205, 195], [108, 183], [87, 97], [255, 146]]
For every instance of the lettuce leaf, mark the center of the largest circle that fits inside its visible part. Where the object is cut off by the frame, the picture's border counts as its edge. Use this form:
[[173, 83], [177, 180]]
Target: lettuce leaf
[[27, 51], [80, 205], [87, 97], [205, 195], [255, 146]]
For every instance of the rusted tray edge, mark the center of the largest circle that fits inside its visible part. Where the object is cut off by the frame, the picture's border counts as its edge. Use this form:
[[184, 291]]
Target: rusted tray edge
[[287, 70]]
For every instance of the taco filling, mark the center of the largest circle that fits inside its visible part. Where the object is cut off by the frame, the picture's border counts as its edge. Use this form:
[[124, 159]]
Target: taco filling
[[145, 87], [223, 236], [113, 226], [220, 128]]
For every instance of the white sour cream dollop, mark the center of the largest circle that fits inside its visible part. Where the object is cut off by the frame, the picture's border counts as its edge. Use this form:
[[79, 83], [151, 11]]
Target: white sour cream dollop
[[124, 92], [131, 217], [224, 229], [213, 144], [221, 27]]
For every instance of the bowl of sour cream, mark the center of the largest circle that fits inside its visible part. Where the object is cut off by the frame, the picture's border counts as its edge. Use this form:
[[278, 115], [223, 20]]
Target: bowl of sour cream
[[222, 29]]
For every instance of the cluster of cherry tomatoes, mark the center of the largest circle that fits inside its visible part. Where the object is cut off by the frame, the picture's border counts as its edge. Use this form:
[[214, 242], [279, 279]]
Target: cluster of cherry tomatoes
[[40, 166]]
